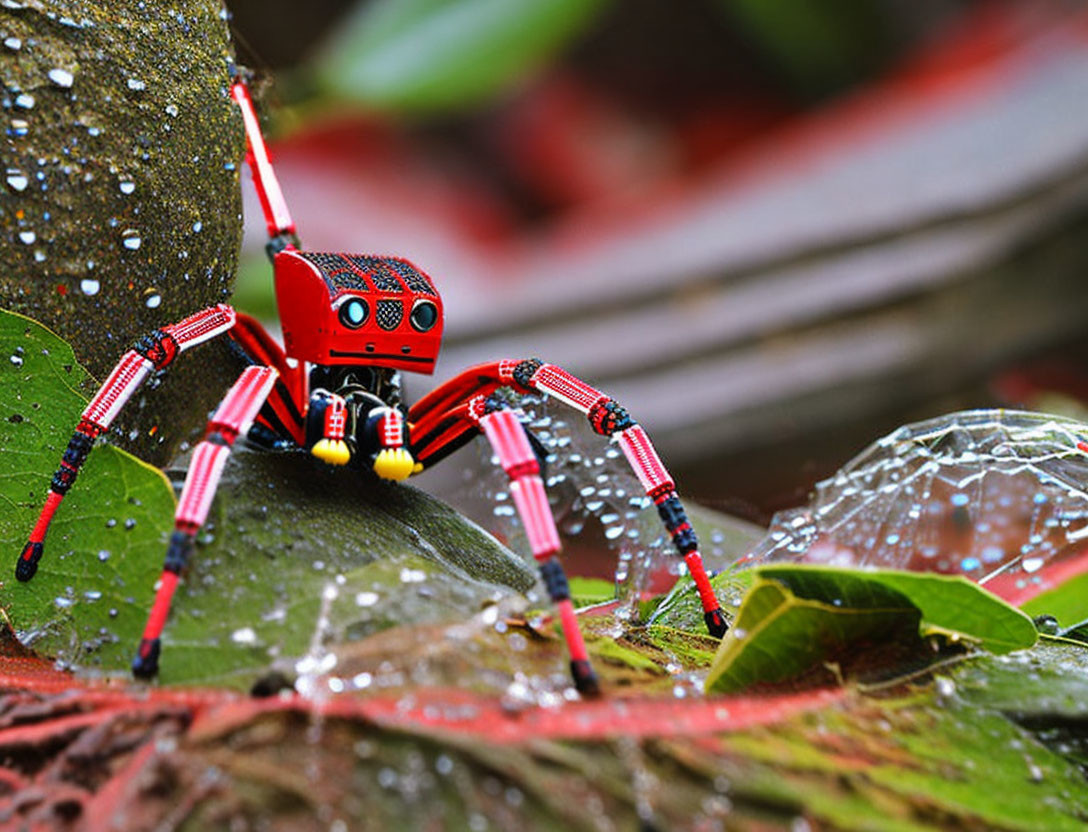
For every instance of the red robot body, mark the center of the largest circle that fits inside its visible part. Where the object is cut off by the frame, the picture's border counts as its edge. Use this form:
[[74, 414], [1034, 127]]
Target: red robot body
[[354, 309]]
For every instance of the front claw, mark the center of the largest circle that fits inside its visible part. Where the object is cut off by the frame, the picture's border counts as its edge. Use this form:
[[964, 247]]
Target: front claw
[[394, 464], [27, 564], [332, 451], [145, 665]]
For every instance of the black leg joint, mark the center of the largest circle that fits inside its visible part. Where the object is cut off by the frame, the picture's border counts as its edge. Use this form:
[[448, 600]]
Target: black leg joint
[[281, 242], [158, 347], [63, 479], [178, 552], [551, 571], [585, 679], [146, 663], [715, 623], [675, 519], [525, 370], [78, 448], [27, 564], [609, 417]]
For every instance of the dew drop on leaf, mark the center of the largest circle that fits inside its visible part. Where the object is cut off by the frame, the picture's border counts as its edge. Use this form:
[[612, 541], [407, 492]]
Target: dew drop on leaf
[[17, 180], [61, 77]]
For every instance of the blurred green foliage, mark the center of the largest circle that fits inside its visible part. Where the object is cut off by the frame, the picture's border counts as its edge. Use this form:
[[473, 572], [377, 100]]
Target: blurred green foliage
[[817, 47], [437, 55]]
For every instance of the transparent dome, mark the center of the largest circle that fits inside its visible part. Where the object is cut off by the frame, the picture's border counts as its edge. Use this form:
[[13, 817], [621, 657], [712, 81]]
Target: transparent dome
[[979, 493]]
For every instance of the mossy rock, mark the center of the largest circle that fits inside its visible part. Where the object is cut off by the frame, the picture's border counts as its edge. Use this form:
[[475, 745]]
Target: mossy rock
[[122, 210]]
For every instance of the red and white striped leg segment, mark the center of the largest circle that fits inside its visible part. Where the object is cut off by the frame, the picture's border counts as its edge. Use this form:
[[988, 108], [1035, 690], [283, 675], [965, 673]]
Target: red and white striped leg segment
[[233, 418], [609, 418], [507, 436], [281, 227], [151, 352]]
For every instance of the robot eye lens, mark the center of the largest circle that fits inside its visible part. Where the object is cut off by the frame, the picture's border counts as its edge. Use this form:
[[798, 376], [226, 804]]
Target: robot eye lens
[[353, 313], [424, 316]]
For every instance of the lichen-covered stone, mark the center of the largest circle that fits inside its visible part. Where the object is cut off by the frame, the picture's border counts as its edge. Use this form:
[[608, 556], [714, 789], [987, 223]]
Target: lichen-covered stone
[[121, 206]]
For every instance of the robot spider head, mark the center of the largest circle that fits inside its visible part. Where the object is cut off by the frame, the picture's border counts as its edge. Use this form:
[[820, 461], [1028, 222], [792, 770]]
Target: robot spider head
[[355, 309]]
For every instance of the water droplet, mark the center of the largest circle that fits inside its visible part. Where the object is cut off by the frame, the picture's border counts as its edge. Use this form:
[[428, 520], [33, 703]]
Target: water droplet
[[61, 77], [89, 286], [126, 186], [198, 226], [172, 110], [130, 239], [362, 680], [130, 524], [62, 602], [17, 360], [19, 127], [244, 635], [366, 599], [92, 594], [17, 180], [24, 101], [27, 237], [412, 576], [153, 300], [960, 500], [136, 85], [13, 43], [103, 555]]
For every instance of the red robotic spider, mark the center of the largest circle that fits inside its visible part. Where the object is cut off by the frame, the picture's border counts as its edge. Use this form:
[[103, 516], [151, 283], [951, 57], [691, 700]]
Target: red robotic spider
[[350, 323]]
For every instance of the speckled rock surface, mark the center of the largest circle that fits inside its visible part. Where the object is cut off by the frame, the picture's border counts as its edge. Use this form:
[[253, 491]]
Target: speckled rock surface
[[121, 208]]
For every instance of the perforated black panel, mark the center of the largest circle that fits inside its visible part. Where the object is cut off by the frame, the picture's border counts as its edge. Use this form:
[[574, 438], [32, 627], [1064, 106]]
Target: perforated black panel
[[336, 270], [412, 277], [378, 270], [389, 314]]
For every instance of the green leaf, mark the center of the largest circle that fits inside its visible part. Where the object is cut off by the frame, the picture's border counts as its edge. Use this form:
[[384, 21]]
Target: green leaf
[[104, 549], [296, 555], [425, 55], [1067, 602], [796, 616], [818, 47], [586, 592], [950, 604], [779, 634]]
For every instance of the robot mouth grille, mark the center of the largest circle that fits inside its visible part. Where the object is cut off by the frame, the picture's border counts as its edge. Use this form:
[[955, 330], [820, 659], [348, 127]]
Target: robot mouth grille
[[389, 314]]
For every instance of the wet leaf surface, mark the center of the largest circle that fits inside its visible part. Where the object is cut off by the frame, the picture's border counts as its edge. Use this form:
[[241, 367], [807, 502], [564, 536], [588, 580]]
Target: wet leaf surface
[[779, 634], [795, 617], [949, 604], [1067, 602]]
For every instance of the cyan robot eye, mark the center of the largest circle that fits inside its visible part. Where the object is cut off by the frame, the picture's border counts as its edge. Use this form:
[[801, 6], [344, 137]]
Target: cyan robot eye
[[424, 315], [353, 313]]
